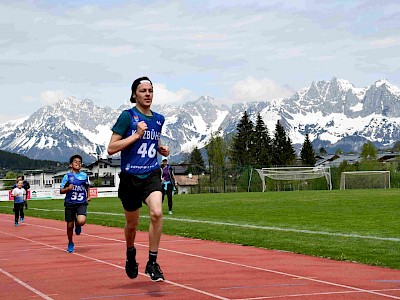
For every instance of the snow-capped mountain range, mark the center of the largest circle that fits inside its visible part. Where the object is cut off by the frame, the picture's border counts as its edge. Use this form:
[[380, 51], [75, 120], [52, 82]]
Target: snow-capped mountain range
[[334, 113]]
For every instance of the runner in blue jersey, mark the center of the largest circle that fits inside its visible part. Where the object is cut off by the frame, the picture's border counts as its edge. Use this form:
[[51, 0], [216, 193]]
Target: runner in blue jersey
[[75, 186], [136, 134]]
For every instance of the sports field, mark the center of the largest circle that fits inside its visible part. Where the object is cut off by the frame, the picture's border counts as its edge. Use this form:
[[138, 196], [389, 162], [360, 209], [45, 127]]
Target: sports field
[[352, 225]]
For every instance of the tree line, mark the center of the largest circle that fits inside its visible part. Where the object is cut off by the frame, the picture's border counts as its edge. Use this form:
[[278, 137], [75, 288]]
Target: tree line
[[13, 161], [231, 159], [252, 145]]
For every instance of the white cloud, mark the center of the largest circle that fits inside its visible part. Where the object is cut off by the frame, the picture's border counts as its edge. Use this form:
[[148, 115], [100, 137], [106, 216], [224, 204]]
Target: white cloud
[[92, 49], [28, 99], [164, 96], [7, 117], [50, 97], [386, 42], [115, 51], [252, 89]]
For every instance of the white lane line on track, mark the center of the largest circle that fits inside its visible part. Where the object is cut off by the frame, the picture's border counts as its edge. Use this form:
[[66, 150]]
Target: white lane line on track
[[227, 262], [254, 268], [25, 285], [308, 294], [111, 264]]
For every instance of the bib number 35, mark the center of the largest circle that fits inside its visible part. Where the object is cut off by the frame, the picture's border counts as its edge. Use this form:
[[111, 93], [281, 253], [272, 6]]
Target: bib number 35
[[77, 196]]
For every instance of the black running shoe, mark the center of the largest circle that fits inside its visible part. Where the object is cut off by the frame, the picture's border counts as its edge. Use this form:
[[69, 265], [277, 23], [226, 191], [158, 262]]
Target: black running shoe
[[78, 229], [154, 271], [131, 268]]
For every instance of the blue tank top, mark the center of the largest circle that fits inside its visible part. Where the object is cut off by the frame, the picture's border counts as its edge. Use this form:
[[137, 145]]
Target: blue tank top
[[140, 158], [81, 182]]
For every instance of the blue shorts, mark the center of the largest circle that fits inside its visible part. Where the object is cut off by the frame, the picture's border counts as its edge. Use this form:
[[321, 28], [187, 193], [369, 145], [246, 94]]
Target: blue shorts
[[133, 191]]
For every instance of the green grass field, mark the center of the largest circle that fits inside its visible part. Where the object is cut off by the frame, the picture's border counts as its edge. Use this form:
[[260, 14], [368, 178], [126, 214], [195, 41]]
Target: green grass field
[[353, 225]]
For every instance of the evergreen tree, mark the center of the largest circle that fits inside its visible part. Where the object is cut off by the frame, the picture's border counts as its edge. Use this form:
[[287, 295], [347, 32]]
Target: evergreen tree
[[290, 153], [307, 153], [278, 145], [283, 153], [396, 146], [15, 161], [262, 147], [242, 142], [338, 151], [322, 151], [196, 161]]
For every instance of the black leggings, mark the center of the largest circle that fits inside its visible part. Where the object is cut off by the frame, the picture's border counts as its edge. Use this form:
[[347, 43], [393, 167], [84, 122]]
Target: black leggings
[[168, 192], [19, 211]]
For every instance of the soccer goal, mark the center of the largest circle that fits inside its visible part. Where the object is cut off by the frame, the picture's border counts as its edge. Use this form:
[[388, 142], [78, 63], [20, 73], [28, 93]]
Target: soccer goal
[[300, 174], [365, 180]]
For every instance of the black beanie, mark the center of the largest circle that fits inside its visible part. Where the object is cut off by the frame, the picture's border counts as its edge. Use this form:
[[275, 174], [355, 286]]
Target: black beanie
[[136, 83]]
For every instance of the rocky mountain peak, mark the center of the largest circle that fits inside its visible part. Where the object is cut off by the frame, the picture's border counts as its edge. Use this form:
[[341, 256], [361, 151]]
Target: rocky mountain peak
[[332, 112]]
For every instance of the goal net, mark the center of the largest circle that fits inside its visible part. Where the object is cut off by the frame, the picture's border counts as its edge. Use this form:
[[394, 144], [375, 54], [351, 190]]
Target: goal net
[[365, 180], [301, 174]]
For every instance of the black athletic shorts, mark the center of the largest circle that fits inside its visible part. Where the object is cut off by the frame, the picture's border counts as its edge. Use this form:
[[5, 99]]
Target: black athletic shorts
[[133, 191], [73, 210]]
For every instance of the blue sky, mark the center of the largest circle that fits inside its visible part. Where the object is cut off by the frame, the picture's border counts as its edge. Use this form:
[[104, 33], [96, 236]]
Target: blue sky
[[233, 51]]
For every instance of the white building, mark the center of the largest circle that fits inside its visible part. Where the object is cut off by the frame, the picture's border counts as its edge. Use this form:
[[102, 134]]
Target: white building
[[104, 173]]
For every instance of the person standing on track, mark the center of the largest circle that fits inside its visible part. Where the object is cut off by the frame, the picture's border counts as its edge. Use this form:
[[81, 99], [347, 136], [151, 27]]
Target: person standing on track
[[136, 134], [75, 184]]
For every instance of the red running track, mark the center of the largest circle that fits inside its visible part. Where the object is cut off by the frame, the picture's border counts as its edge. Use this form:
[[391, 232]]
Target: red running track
[[34, 264]]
